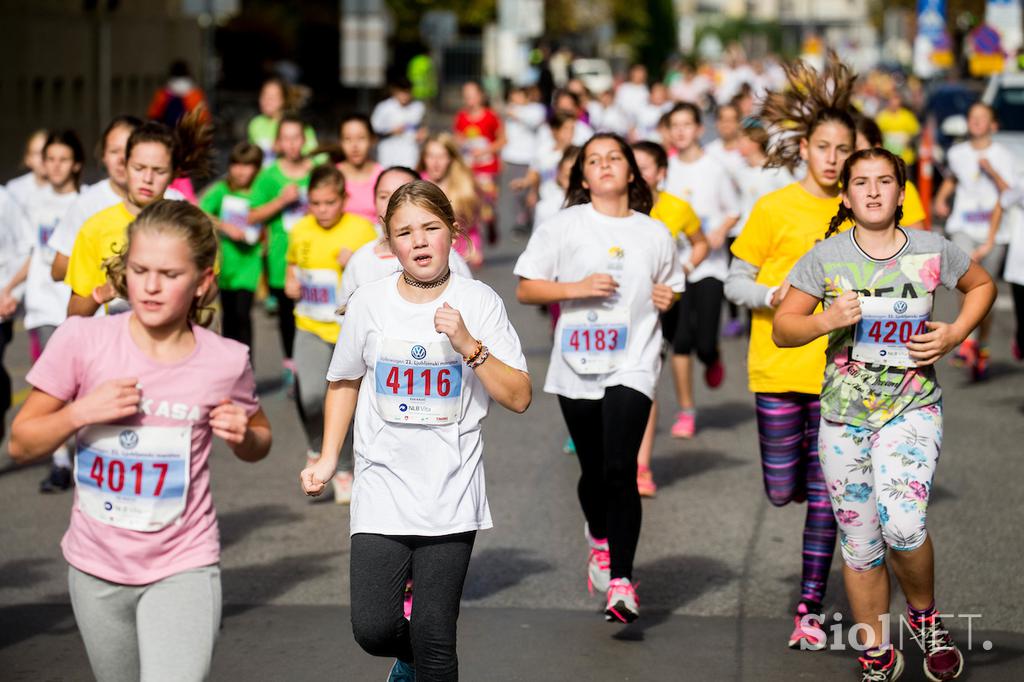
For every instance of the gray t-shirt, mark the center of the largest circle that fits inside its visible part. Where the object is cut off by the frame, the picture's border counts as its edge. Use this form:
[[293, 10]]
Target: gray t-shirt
[[869, 394]]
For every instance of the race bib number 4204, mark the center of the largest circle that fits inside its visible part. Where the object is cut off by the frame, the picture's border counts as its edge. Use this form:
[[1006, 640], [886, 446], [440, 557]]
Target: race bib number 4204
[[886, 326], [135, 478], [593, 340], [418, 383]]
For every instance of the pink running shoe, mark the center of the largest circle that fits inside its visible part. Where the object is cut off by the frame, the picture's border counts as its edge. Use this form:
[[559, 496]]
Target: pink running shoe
[[623, 604], [808, 634], [714, 374], [645, 482], [599, 563], [686, 424], [407, 601]]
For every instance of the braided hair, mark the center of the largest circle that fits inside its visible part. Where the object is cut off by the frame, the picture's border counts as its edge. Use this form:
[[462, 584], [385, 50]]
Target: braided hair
[[899, 169]]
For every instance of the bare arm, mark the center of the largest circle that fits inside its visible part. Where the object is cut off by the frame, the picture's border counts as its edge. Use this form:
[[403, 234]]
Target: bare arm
[[339, 407], [990, 240], [20, 276], [509, 387], [82, 306], [59, 269], [699, 249], [543, 291], [979, 293], [941, 203], [796, 324]]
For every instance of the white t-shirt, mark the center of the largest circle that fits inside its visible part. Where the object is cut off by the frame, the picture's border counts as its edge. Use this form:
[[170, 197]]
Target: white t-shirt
[[401, 149], [581, 133], [545, 163], [46, 301], [638, 252], [694, 90], [89, 202], [610, 119], [24, 188], [976, 194], [1013, 203], [706, 185], [548, 206], [522, 124], [15, 240], [366, 266], [631, 98], [732, 159], [754, 183], [647, 121], [415, 479]]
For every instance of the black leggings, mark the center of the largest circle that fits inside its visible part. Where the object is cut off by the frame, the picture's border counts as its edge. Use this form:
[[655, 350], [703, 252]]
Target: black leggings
[[607, 434], [236, 320], [1018, 308], [285, 321], [6, 334], [700, 314], [379, 565]]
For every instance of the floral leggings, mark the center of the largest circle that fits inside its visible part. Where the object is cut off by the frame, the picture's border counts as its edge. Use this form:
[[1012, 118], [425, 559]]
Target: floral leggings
[[880, 482]]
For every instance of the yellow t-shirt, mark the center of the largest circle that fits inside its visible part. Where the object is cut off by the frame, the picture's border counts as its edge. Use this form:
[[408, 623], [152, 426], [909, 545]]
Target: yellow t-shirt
[[314, 251], [898, 130], [100, 237], [782, 227], [676, 214], [913, 209]]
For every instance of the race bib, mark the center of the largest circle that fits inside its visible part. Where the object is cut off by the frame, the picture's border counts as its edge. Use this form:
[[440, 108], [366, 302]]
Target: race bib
[[886, 326], [45, 232], [133, 477], [318, 298], [297, 211], [235, 211], [418, 383], [593, 340]]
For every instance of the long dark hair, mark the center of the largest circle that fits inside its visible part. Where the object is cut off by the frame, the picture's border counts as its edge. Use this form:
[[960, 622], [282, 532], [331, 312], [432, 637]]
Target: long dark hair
[[899, 169], [69, 138], [810, 100], [640, 198]]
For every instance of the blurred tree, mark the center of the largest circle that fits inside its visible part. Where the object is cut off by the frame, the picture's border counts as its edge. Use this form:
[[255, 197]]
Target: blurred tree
[[650, 33], [472, 14]]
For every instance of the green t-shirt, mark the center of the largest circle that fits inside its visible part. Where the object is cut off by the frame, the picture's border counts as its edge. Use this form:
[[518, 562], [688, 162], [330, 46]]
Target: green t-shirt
[[866, 393], [263, 132], [240, 262], [267, 186]]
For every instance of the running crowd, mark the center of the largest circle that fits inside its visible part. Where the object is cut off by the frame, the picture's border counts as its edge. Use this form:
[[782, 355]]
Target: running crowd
[[638, 240]]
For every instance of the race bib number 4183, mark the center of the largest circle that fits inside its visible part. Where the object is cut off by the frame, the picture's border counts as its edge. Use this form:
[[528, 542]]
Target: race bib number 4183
[[886, 326], [593, 340]]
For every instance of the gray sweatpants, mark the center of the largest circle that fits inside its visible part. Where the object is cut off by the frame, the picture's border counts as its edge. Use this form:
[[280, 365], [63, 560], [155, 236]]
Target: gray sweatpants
[[164, 631], [312, 358]]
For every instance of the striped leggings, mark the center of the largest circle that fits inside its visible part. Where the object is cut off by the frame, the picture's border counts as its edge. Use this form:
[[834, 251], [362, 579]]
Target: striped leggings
[[787, 427]]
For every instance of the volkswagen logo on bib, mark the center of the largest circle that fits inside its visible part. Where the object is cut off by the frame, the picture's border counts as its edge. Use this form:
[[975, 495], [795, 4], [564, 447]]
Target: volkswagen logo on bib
[[899, 307], [418, 352], [128, 438]]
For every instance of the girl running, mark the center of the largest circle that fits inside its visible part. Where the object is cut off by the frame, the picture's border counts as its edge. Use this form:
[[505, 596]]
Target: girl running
[[24, 187], [319, 248], [980, 170], [241, 260], [881, 405], [480, 136], [702, 180], [154, 155], [870, 135], [441, 164], [276, 98], [279, 200], [15, 248], [398, 122], [612, 269], [358, 167], [782, 227], [683, 224], [375, 260], [420, 356], [144, 394], [93, 199]]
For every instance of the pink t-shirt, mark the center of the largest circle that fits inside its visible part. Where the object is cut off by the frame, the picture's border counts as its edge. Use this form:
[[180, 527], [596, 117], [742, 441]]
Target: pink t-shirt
[[85, 352], [360, 195]]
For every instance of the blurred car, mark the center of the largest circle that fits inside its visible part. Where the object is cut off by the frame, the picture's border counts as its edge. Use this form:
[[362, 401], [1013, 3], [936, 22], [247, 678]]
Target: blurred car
[[1005, 94], [947, 105], [596, 74]]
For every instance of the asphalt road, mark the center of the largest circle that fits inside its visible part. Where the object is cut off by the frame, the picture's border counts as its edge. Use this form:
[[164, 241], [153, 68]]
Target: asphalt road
[[718, 566]]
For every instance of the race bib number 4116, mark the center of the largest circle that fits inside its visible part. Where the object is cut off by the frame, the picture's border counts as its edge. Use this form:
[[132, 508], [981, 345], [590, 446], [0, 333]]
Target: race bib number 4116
[[418, 383], [886, 326], [135, 478]]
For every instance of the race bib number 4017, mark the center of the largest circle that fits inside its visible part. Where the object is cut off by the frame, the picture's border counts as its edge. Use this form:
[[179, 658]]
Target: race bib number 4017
[[886, 326]]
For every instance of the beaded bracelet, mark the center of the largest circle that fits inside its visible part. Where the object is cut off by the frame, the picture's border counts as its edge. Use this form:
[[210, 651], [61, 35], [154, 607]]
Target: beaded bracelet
[[483, 355], [479, 349]]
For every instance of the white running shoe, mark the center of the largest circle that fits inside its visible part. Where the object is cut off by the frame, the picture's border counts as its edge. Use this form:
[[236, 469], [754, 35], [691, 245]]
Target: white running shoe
[[598, 563], [623, 604]]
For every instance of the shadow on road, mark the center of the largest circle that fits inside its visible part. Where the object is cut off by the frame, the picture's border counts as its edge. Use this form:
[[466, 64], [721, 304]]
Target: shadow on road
[[25, 621], [725, 415], [236, 525], [499, 568], [669, 583], [20, 573], [247, 587], [668, 469]]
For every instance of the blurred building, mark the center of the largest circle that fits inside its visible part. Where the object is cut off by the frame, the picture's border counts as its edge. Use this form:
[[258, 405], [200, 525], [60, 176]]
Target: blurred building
[[76, 63]]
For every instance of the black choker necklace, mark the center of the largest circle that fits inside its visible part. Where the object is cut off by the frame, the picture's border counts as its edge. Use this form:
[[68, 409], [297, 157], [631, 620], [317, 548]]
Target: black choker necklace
[[413, 282]]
